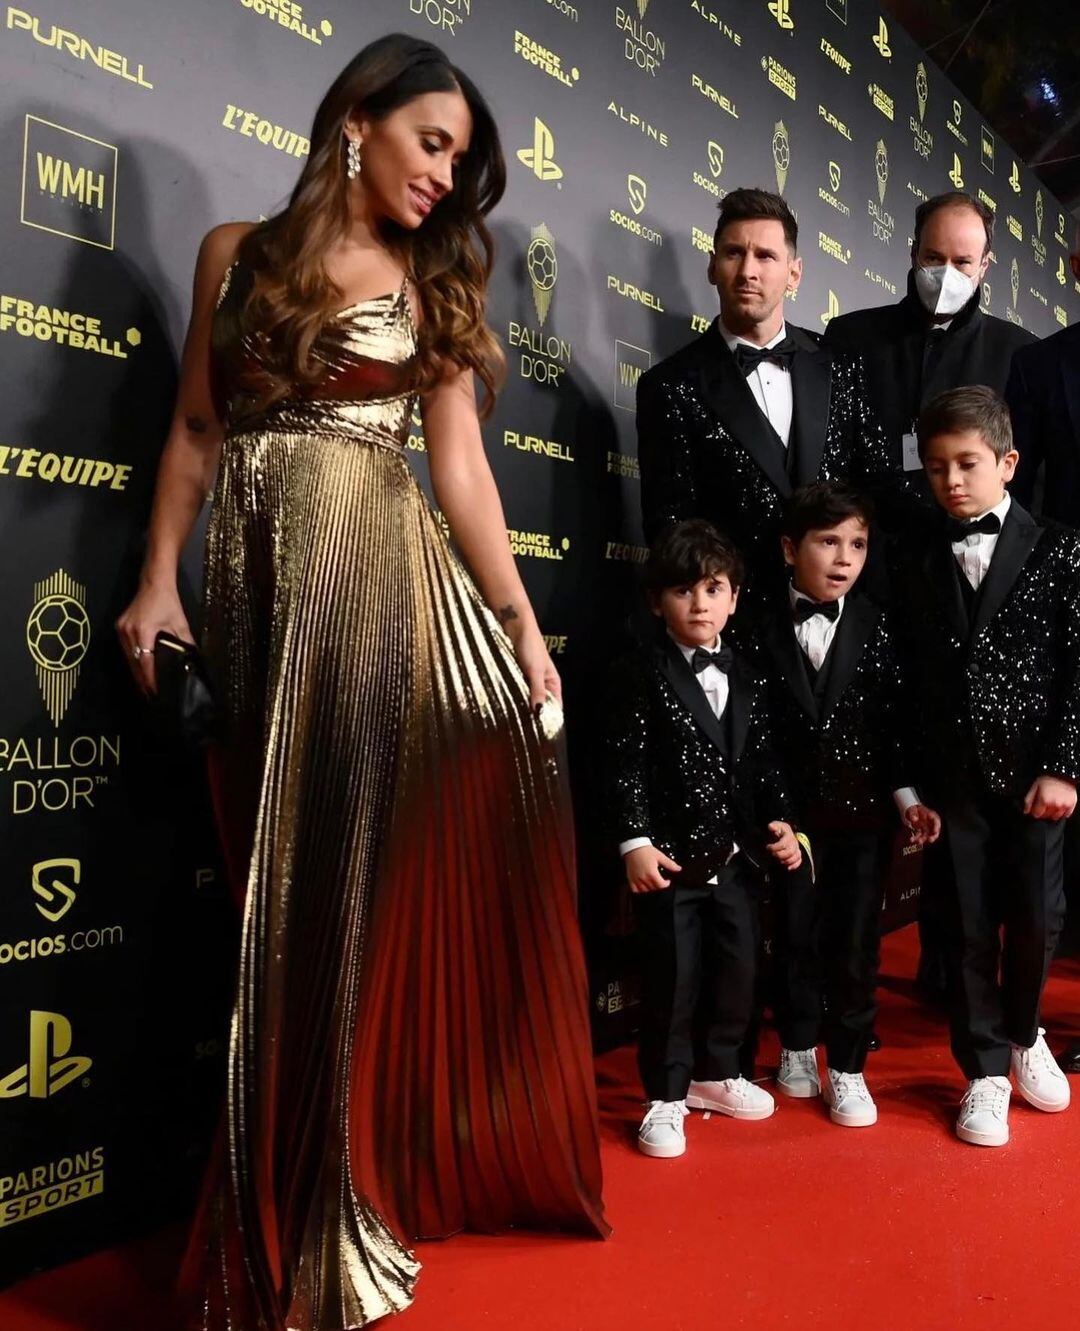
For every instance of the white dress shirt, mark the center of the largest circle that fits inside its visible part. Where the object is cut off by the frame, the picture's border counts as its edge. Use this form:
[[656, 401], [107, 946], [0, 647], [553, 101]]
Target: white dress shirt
[[770, 384], [975, 552], [714, 684], [815, 636]]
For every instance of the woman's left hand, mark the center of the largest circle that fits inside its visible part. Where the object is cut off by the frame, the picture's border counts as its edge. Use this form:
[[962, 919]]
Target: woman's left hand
[[536, 665]]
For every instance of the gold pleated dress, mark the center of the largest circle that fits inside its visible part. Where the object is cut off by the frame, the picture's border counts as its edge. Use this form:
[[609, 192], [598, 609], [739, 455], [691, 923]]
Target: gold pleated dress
[[409, 1051]]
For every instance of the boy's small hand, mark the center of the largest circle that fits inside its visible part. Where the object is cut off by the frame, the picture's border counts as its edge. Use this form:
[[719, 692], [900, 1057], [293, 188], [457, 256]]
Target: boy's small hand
[[923, 823], [785, 847], [645, 868], [1051, 797]]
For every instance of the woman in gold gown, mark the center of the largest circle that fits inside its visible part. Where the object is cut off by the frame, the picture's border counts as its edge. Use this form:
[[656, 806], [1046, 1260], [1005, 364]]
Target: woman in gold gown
[[409, 1051]]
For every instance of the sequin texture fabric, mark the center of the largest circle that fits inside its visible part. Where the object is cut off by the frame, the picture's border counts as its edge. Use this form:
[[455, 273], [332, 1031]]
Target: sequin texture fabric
[[999, 689], [409, 1052]]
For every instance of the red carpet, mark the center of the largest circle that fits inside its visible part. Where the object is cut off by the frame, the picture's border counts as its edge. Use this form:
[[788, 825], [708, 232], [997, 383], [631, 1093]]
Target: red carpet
[[788, 1223]]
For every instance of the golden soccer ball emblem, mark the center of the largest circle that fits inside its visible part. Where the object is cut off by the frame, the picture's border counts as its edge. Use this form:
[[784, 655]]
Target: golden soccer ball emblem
[[58, 632], [922, 89], [541, 263]]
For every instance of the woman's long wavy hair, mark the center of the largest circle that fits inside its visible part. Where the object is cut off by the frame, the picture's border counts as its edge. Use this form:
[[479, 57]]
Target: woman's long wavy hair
[[448, 258]]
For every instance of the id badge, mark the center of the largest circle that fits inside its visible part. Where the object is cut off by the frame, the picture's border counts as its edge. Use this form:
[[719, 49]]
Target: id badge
[[912, 461]]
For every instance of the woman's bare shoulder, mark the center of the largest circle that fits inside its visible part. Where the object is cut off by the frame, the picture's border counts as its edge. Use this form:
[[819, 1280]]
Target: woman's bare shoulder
[[219, 245]]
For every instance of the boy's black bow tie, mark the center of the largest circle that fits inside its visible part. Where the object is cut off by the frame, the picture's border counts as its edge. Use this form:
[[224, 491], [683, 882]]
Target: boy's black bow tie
[[803, 609], [958, 528], [748, 358], [701, 659]]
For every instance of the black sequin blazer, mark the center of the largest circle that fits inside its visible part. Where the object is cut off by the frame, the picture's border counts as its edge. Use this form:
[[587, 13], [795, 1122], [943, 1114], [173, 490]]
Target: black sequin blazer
[[839, 735], [998, 695], [707, 451], [675, 773]]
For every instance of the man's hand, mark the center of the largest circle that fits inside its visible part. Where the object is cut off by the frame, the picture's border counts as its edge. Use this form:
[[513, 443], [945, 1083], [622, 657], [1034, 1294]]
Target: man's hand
[[644, 869], [784, 846], [1051, 797], [923, 824]]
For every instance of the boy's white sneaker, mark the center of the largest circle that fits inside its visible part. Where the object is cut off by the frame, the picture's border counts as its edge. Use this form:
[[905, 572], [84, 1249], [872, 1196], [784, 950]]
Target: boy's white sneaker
[[798, 1074], [849, 1100], [662, 1132], [1038, 1078], [984, 1112], [736, 1097]]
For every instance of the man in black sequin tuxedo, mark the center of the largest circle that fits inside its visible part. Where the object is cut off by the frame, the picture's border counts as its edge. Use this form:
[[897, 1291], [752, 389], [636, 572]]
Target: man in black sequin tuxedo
[[991, 618], [838, 713], [694, 799], [732, 423]]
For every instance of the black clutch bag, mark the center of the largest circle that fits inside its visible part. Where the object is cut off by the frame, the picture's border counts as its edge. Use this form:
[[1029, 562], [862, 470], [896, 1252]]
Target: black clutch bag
[[184, 694]]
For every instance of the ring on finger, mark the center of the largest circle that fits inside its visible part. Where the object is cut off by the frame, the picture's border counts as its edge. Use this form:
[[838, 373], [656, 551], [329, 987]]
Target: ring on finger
[[138, 651]]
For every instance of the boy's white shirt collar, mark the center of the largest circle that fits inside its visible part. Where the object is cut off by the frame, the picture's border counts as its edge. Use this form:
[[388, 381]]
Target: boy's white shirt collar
[[999, 510]]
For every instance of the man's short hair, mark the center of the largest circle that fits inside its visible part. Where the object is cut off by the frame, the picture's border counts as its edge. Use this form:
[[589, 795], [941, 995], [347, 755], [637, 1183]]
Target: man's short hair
[[752, 205], [688, 552], [953, 198], [822, 505], [975, 408]]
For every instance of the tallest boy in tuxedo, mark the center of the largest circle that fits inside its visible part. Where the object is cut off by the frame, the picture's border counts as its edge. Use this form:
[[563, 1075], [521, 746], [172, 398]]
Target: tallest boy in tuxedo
[[732, 423]]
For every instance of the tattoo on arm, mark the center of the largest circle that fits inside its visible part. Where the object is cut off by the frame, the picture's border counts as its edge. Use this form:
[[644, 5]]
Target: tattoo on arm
[[196, 424], [506, 614]]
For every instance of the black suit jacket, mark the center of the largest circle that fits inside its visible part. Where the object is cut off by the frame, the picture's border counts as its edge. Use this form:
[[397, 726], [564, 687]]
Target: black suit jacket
[[839, 736], [976, 349], [997, 695], [666, 755], [707, 451], [1043, 394]]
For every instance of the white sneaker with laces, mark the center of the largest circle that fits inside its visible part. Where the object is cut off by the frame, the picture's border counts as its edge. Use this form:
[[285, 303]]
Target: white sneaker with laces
[[736, 1097], [798, 1074], [849, 1100], [1038, 1078], [662, 1132], [984, 1112]]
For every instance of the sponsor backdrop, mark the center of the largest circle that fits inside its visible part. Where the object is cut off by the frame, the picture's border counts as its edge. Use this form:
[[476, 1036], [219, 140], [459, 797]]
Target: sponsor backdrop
[[127, 128]]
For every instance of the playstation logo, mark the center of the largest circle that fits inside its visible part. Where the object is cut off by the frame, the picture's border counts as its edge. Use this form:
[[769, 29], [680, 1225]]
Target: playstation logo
[[1014, 178], [637, 191], [49, 1067], [56, 896], [781, 11], [540, 158], [1061, 277], [881, 40], [956, 175], [833, 308]]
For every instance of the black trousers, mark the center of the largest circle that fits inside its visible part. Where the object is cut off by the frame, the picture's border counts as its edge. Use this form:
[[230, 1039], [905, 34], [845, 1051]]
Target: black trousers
[[828, 943], [699, 946], [999, 905]]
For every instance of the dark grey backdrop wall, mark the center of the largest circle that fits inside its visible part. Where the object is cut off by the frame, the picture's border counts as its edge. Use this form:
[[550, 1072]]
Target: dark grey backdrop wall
[[127, 128]]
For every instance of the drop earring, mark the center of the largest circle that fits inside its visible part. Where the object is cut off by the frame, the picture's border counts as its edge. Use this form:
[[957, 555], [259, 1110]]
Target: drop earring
[[352, 159]]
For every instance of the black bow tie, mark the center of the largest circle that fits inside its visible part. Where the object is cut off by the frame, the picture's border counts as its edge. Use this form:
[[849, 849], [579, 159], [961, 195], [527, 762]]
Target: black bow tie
[[702, 659], [804, 609], [748, 358], [958, 528]]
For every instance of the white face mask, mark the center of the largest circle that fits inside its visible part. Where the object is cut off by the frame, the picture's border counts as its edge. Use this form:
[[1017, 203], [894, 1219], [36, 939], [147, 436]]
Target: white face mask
[[943, 290]]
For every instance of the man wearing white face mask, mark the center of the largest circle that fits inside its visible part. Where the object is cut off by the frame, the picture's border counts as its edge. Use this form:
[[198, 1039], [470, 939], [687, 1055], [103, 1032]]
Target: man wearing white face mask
[[936, 338]]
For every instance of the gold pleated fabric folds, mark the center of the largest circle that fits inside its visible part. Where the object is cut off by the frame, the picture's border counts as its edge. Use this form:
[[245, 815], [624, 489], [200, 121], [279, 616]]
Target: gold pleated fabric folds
[[410, 1046]]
